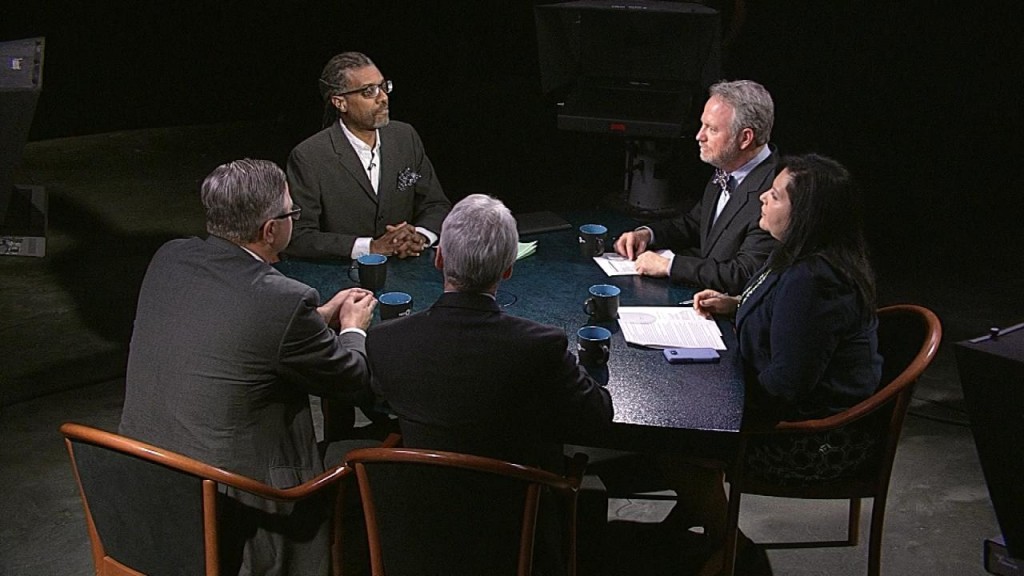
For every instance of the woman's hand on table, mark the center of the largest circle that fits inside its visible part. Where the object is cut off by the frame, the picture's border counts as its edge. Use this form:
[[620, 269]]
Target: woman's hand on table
[[712, 302]]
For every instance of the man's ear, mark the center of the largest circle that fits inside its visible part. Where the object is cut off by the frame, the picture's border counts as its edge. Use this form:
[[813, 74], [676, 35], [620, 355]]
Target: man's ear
[[746, 138], [507, 274], [268, 232], [438, 258]]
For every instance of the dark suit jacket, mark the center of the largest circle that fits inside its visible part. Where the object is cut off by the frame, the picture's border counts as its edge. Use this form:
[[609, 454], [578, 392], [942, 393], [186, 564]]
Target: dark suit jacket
[[724, 256], [808, 348], [464, 376], [338, 203], [224, 353]]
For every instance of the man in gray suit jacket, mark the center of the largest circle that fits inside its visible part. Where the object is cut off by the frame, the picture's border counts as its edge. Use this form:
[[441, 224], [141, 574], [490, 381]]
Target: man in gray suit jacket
[[224, 353], [364, 182], [718, 243]]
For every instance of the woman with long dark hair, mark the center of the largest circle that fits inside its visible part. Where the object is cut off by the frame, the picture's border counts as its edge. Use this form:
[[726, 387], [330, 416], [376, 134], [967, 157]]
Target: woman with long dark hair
[[806, 322], [807, 335]]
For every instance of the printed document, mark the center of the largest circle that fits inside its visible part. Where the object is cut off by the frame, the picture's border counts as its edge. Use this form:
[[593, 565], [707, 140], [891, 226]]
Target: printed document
[[669, 327]]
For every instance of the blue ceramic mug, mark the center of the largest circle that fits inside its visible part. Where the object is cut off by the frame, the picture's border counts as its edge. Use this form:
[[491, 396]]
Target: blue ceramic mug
[[591, 239], [394, 304], [371, 271], [594, 344], [603, 302]]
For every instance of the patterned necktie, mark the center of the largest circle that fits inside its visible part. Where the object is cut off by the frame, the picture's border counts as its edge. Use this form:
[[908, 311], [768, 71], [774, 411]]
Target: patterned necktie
[[725, 183], [721, 178]]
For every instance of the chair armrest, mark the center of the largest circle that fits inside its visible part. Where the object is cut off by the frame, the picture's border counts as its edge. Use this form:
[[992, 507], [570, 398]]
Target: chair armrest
[[173, 460], [755, 426]]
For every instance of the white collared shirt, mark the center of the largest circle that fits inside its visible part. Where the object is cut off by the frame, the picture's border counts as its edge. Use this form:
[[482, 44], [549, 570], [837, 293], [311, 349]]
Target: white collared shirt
[[741, 173], [368, 157], [370, 160], [736, 178]]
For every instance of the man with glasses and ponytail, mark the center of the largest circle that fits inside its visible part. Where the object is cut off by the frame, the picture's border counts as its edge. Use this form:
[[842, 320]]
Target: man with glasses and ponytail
[[364, 183]]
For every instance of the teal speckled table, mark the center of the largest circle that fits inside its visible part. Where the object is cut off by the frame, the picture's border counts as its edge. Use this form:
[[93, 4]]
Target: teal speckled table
[[672, 406]]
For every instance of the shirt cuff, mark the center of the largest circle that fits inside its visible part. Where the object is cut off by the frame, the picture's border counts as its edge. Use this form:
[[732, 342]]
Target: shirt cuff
[[649, 231], [430, 236], [361, 247], [356, 330]]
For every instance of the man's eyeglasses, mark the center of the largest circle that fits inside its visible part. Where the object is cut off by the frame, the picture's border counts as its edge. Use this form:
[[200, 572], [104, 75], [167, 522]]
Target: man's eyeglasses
[[371, 91], [293, 214]]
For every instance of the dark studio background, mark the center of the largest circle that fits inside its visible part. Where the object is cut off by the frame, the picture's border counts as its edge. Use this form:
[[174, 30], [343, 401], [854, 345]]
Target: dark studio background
[[920, 100]]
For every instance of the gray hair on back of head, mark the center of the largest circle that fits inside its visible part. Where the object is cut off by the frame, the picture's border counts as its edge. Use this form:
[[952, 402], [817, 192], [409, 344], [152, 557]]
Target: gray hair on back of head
[[479, 242], [240, 196]]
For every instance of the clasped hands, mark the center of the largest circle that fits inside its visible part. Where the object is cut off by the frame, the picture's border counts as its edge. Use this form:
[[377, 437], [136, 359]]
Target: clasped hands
[[400, 240], [633, 245], [351, 308]]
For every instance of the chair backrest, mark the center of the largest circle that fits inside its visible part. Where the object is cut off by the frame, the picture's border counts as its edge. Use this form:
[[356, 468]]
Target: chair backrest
[[908, 339], [152, 511], [433, 512], [141, 515], [858, 444]]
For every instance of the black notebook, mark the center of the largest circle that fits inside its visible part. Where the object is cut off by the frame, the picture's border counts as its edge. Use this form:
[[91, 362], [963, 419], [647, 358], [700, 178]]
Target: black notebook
[[537, 222]]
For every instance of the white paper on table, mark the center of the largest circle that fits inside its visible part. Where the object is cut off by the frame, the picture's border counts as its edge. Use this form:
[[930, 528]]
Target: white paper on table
[[615, 265], [669, 327]]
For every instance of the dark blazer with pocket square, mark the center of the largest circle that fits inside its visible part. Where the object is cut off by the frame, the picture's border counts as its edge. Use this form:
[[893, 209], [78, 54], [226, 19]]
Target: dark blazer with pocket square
[[330, 184]]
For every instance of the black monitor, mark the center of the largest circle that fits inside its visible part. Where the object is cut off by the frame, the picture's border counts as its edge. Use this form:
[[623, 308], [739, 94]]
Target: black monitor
[[634, 67], [21, 79], [992, 376]]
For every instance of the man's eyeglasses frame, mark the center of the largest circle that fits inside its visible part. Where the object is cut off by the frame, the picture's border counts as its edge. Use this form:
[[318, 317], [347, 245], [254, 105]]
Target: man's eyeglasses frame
[[293, 214], [370, 92]]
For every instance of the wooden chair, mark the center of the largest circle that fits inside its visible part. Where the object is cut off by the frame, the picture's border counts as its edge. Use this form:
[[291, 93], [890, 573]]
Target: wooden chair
[[908, 338], [152, 511], [432, 512]]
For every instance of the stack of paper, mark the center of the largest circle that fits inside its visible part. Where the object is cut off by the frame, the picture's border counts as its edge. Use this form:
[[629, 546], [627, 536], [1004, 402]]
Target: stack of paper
[[668, 327], [526, 249]]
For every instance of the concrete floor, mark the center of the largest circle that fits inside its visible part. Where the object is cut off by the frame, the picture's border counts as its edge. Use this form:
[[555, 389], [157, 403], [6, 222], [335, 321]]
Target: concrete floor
[[64, 321]]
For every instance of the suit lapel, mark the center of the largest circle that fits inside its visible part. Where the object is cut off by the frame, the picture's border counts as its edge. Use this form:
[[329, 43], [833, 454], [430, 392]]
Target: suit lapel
[[708, 205], [737, 200], [748, 191], [388, 170], [350, 160]]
